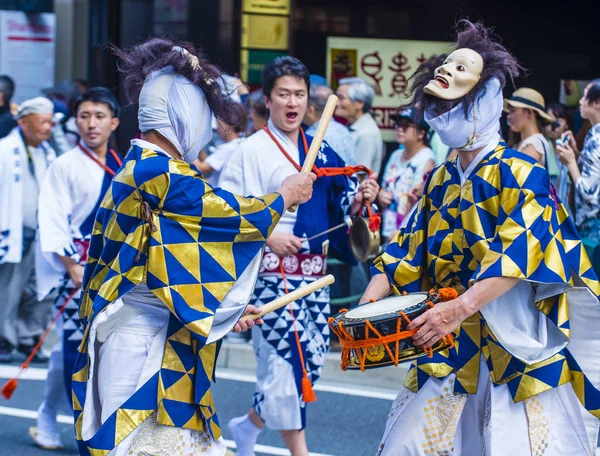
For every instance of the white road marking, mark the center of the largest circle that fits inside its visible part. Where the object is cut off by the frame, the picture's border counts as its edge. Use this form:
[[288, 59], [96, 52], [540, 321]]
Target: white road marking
[[38, 373], [64, 419]]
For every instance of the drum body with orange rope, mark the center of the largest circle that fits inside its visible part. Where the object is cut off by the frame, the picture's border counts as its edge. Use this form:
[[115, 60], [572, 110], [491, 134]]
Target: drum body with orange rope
[[376, 334]]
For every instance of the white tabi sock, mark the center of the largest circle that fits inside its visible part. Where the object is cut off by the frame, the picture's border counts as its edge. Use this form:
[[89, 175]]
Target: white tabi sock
[[244, 433]]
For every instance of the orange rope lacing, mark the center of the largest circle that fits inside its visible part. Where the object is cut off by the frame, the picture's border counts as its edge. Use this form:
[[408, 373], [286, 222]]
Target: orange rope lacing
[[308, 393], [360, 346]]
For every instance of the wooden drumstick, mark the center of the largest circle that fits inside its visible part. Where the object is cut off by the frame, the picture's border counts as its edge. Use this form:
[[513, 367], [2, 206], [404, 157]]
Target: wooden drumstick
[[291, 297], [315, 145]]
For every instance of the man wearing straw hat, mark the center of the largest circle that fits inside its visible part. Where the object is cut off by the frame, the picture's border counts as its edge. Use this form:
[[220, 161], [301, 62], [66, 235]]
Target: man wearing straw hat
[[291, 344], [24, 157], [523, 375]]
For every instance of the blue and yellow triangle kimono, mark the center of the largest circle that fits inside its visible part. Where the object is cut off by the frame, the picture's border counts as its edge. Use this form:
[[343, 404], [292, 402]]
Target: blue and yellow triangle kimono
[[162, 225], [503, 222]]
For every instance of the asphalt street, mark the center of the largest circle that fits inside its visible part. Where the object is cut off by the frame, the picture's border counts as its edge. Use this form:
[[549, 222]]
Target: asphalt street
[[343, 421]]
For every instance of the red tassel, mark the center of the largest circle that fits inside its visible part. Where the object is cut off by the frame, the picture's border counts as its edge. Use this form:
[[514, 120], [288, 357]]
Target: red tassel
[[9, 388], [308, 394]]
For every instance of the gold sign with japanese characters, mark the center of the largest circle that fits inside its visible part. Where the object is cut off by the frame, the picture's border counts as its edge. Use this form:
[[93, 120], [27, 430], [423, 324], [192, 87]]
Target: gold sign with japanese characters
[[276, 7], [265, 32], [386, 65]]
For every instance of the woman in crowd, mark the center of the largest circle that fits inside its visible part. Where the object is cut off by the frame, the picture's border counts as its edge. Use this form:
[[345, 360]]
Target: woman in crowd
[[211, 166], [403, 176], [585, 170], [526, 118]]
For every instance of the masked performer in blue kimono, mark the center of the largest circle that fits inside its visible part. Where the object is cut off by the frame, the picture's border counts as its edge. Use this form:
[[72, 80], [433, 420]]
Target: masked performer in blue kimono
[[522, 377], [171, 266], [291, 345]]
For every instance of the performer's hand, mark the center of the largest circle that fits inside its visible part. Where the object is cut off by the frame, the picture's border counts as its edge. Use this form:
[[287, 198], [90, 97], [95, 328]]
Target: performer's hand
[[385, 198], [367, 191], [75, 271], [245, 325], [284, 244], [297, 188], [436, 323]]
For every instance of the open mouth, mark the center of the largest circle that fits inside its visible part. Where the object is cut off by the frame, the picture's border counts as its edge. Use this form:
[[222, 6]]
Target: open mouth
[[442, 82], [291, 116]]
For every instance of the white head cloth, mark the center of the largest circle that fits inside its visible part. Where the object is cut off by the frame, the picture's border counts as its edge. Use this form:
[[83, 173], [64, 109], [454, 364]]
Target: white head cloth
[[38, 105], [479, 128], [177, 109]]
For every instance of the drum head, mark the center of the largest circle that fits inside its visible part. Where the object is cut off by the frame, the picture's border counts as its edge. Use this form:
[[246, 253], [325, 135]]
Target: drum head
[[385, 308]]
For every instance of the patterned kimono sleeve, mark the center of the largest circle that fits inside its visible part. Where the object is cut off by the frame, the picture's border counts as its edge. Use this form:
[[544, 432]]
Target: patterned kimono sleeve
[[404, 258], [535, 239]]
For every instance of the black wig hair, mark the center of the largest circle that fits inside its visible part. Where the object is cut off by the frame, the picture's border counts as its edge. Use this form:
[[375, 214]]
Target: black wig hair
[[98, 95], [283, 66], [497, 63], [139, 61]]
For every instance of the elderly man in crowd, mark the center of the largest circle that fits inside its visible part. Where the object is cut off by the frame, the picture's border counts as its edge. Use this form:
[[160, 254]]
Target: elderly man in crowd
[[7, 89], [24, 157], [336, 135], [355, 101]]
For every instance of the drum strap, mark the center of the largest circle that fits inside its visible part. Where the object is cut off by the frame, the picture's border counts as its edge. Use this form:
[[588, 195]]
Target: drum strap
[[374, 219], [308, 394]]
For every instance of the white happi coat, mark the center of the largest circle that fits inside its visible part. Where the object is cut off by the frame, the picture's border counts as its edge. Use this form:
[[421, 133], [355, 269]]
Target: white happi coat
[[13, 163], [70, 192]]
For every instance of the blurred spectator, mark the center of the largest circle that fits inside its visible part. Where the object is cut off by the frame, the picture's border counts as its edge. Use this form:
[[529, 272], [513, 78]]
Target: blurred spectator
[[559, 173], [402, 182], [336, 135], [354, 105], [64, 131], [585, 171], [259, 114], [7, 121], [212, 165], [526, 118], [24, 157]]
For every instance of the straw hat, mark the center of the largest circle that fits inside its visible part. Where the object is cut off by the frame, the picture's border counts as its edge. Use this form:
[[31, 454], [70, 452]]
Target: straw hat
[[530, 99]]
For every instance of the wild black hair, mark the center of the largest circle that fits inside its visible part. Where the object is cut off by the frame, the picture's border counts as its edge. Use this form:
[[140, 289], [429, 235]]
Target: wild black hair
[[497, 63], [99, 95], [283, 66], [139, 61]]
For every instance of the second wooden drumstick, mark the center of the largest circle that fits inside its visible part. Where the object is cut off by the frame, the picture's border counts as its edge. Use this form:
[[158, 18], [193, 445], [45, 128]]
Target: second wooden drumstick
[[291, 297]]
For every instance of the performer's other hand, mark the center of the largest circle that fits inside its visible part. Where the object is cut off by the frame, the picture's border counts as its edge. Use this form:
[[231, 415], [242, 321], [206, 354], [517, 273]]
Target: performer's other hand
[[76, 273], [297, 188], [385, 198], [436, 323], [284, 244], [245, 325], [368, 189]]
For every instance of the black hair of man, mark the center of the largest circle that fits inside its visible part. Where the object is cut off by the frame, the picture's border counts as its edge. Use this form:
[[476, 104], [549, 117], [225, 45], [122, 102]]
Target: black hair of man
[[7, 87], [99, 95], [593, 93], [283, 66]]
